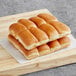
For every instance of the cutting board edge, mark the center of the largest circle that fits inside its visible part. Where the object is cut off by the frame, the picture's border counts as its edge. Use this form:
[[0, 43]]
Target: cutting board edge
[[40, 66]]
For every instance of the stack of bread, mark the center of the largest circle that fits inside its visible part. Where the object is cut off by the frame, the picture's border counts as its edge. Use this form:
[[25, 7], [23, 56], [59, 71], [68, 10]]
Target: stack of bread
[[39, 35]]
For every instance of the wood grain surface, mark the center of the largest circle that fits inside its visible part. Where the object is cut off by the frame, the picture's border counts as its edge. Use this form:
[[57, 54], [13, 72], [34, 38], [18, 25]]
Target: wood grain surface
[[9, 66]]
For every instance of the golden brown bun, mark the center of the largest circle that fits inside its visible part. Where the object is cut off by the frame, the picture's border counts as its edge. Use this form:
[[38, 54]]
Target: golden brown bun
[[29, 54], [50, 31], [37, 20], [47, 17], [60, 27], [39, 34], [27, 39], [43, 49], [16, 28], [27, 23], [54, 45], [64, 41]]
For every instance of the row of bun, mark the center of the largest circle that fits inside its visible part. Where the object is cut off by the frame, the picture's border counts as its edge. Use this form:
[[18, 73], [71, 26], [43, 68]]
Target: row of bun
[[39, 35]]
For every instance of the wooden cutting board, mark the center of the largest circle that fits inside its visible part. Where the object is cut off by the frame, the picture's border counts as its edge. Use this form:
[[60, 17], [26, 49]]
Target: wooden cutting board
[[9, 66]]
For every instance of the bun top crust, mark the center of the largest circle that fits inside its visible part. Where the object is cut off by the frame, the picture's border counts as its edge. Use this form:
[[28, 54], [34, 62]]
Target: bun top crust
[[64, 40], [47, 17], [16, 28], [43, 47], [37, 20], [27, 38]]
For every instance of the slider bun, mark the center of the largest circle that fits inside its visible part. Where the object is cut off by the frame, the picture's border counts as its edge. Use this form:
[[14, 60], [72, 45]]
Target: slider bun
[[16, 28], [37, 20], [27, 39], [43, 49], [47, 17], [64, 41], [54, 45]]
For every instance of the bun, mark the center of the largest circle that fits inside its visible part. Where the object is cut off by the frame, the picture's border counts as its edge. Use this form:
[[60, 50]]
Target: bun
[[37, 20], [47, 17], [64, 41], [44, 49]]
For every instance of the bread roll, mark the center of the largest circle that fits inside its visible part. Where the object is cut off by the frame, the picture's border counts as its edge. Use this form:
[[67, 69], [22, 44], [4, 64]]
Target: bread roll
[[64, 41], [54, 45], [47, 17], [44, 49], [16, 28], [37, 20], [27, 39]]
